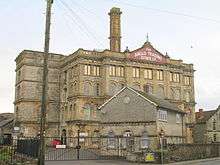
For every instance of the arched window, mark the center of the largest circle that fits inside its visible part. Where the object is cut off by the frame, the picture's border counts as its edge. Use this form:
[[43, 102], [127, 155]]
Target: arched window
[[144, 141], [136, 87], [187, 96], [112, 89], [111, 143], [95, 136], [160, 91], [87, 111], [127, 139], [148, 88], [87, 88]]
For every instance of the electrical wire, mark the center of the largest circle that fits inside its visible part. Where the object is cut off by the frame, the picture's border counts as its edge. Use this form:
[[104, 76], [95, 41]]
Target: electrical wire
[[82, 23], [168, 12]]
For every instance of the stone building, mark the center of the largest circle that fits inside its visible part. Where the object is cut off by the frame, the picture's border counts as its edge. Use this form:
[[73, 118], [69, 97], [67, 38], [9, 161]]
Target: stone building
[[141, 117], [6, 127], [82, 81], [207, 126]]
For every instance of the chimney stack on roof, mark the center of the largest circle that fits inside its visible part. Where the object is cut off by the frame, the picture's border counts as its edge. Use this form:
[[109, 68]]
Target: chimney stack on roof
[[115, 29], [200, 114]]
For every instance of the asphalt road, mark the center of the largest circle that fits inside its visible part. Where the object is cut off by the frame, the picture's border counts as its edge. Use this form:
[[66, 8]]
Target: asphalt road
[[112, 162]]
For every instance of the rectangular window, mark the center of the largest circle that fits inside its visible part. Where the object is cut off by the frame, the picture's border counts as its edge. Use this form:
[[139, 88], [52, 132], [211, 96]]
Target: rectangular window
[[148, 73], [87, 70], [186, 80], [174, 77], [162, 115], [119, 71], [112, 70], [214, 137], [178, 118], [96, 71], [136, 72], [159, 75]]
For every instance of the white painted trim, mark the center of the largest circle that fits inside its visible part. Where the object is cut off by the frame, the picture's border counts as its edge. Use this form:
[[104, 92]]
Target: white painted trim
[[111, 98], [132, 91]]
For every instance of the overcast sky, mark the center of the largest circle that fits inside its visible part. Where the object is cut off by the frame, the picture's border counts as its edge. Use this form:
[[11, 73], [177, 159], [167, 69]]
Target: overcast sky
[[187, 30]]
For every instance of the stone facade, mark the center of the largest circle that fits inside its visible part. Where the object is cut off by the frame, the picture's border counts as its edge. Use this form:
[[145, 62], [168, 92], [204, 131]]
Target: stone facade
[[82, 81], [130, 111], [207, 127]]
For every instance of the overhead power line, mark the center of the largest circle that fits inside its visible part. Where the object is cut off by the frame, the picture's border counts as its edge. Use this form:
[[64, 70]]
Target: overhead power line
[[168, 12], [81, 23]]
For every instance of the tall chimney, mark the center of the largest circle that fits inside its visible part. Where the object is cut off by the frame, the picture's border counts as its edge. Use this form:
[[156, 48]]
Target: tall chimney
[[115, 29]]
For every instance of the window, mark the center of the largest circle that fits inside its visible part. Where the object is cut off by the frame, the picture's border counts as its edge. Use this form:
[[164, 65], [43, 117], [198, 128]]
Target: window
[[214, 137], [111, 140], [148, 73], [112, 70], [148, 89], [136, 72], [112, 89], [186, 80], [87, 88], [96, 70], [159, 75], [175, 77], [160, 91], [162, 115], [178, 118], [19, 75], [136, 86], [144, 142], [175, 94], [87, 111], [97, 89], [214, 124], [65, 76], [120, 71], [87, 70], [187, 96], [127, 140]]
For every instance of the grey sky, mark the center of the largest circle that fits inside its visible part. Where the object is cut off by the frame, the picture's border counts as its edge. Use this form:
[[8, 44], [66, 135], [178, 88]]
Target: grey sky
[[87, 26]]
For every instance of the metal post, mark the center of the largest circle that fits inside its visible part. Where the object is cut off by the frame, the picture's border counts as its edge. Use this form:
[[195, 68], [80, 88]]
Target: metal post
[[44, 85], [161, 147], [78, 146]]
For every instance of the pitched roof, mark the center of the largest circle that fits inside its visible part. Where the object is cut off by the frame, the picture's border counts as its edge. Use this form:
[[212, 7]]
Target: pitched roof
[[205, 116], [162, 103]]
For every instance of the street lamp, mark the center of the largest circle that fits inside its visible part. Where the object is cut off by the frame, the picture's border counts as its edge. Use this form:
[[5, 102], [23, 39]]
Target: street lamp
[[79, 124], [161, 135]]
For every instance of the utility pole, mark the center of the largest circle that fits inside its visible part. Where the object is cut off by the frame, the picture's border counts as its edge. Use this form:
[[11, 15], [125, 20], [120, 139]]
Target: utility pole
[[44, 85]]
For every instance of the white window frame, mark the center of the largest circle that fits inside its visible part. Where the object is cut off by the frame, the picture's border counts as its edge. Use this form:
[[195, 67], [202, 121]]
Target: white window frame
[[162, 115], [148, 74], [87, 69], [178, 118]]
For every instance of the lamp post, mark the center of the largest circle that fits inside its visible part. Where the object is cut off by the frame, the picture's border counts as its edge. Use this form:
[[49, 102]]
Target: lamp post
[[161, 134], [79, 124]]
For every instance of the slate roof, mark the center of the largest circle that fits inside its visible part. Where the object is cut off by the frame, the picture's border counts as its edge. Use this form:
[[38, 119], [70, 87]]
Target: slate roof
[[6, 118], [206, 116], [162, 103]]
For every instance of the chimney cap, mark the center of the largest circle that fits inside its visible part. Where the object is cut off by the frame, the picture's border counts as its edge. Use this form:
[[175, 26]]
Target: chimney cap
[[115, 10]]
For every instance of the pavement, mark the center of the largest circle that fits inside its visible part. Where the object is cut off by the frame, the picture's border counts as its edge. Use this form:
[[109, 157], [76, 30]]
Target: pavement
[[212, 161]]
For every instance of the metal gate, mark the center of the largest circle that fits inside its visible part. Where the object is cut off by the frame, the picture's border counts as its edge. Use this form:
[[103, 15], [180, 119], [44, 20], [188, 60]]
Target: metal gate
[[84, 148]]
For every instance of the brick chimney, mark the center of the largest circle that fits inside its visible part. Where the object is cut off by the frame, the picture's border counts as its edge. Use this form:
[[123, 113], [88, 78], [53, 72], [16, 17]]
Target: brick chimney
[[115, 29], [200, 114]]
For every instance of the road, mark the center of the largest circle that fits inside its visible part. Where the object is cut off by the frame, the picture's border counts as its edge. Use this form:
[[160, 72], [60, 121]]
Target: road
[[112, 162]]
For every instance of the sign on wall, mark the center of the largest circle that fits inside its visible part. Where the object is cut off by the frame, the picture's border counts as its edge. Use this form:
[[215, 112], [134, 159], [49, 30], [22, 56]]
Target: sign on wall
[[149, 54]]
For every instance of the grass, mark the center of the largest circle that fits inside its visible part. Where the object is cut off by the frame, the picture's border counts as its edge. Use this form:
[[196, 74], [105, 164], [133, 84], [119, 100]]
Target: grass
[[5, 154]]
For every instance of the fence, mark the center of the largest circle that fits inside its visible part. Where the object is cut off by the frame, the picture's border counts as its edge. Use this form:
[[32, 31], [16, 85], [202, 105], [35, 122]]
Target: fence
[[18, 150], [182, 152]]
